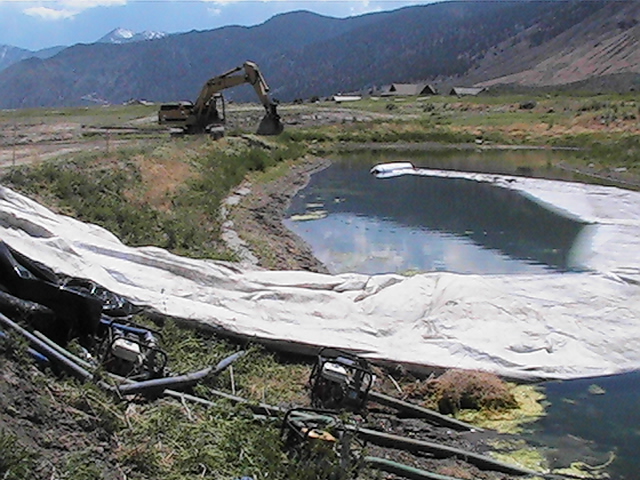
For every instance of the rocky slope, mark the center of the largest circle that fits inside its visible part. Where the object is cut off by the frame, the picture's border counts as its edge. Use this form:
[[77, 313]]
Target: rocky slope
[[606, 42]]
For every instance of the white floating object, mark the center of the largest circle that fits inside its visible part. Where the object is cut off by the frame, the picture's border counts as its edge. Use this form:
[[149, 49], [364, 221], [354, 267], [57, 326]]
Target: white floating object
[[384, 170]]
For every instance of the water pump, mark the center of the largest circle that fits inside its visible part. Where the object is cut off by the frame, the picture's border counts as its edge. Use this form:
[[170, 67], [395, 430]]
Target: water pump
[[130, 350], [340, 380]]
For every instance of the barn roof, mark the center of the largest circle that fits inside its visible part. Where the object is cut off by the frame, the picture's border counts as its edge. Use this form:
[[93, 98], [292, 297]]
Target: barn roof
[[460, 91], [409, 89]]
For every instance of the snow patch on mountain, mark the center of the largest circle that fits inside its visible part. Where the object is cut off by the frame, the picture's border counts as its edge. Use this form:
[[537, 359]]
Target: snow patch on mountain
[[122, 35]]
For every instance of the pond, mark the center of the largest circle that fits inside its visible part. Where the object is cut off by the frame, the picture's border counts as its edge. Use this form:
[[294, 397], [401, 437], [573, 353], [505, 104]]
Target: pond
[[355, 222], [596, 421]]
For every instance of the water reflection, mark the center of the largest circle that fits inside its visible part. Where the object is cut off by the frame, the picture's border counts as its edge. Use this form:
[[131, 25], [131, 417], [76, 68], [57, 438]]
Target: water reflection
[[371, 225]]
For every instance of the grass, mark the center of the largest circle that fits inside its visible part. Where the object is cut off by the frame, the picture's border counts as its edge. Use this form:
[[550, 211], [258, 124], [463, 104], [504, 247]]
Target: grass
[[114, 115], [457, 390], [166, 440], [605, 127], [16, 461], [529, 400], [127, 192], [259, 375]]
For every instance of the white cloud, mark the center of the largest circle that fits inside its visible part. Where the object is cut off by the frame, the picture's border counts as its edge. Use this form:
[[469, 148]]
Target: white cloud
[[58, 10], [48, 13]]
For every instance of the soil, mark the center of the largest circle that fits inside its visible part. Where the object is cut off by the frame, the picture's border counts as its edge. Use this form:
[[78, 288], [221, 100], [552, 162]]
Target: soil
[[60, 437], [257, 213]]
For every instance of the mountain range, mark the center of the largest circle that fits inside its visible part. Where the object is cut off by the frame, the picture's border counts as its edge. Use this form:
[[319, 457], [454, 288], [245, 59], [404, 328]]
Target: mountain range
[[10, 54], [302, 54]]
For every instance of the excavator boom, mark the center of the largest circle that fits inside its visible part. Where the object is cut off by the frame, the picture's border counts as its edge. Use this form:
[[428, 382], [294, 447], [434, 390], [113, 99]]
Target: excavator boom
[[204, 115]]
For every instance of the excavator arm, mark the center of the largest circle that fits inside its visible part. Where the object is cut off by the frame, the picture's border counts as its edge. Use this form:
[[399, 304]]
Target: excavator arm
[[204, 113]]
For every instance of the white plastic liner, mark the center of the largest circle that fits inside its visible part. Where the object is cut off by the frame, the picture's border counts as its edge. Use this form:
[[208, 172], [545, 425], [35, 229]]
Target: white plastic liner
[[556, 325]]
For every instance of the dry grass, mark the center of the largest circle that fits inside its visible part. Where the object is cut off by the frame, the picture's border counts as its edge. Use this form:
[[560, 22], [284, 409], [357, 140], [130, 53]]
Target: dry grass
[[460, 389], [162, 180], [457, 390]]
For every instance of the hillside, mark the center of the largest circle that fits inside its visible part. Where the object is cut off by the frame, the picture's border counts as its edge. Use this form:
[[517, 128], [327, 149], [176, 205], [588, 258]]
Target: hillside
[[606, 42], [304, 54]]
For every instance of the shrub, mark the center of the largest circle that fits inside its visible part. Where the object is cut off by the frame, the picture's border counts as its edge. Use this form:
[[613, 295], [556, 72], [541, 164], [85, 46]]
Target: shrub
[[464, 389]]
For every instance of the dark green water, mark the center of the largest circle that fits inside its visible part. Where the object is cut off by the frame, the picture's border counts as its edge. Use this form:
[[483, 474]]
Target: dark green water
[[595, 421], [410, 223]]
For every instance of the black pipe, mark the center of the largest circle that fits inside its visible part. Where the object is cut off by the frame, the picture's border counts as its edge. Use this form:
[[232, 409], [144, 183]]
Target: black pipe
[[79, 361], [158, 385], [437, 450], [421, 412], [69, 366], [37, 356], [226, 362]]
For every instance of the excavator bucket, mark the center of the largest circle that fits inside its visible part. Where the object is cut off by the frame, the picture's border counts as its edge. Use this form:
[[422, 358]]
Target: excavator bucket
[[270, 123]]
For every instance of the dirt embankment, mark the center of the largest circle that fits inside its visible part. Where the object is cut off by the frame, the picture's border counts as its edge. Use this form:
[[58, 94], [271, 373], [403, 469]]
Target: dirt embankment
[[256, 213], [54, 432]]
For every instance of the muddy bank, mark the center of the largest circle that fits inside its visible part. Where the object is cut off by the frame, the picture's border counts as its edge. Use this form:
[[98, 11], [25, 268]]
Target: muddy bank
[[255, 213]]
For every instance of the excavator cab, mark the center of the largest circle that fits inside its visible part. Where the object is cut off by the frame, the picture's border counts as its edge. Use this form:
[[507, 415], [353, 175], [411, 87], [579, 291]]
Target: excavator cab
[[207, 114], [210, 119]]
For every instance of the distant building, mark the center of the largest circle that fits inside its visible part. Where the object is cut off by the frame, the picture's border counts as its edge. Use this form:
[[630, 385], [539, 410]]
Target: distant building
[[408, 90], [461, 91], [135, 101], [347, 97]]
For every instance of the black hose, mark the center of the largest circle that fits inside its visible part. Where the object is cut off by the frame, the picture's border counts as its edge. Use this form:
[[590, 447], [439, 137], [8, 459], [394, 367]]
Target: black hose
[[406, 471], [263, 409], [42, 337], [421, 412], [158, 385], [37, 356], [439, 451]]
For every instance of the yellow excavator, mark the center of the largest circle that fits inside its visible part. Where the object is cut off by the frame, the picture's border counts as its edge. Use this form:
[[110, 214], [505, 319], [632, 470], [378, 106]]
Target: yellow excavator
[[207, 114]]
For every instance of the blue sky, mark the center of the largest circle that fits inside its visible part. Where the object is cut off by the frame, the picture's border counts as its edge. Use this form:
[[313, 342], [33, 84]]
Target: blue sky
[[39, 24]]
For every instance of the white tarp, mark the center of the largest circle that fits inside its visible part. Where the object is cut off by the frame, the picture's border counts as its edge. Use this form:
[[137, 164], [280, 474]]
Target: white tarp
[[556, 325]]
